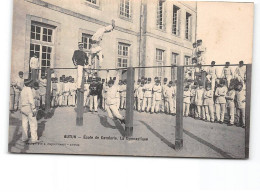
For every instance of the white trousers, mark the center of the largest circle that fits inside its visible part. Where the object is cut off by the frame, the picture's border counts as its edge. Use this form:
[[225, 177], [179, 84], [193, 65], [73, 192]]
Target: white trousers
[[112, 112], [220, 111], [93, 102], [79, 76], [32, 122]]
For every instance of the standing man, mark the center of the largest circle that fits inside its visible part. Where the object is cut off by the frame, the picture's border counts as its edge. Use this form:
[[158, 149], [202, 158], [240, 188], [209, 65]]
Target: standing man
[[147, 95], [34, 65], [29, 112], [157, 94], [240, 72], [17, 85], [227, 73], [80, 59], [212, 75], [111, 101], [42, 90], [93, 95]]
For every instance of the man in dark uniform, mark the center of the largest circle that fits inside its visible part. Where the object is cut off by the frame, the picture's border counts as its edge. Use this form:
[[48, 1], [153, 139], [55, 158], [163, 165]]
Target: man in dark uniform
[[93, 95], [100, 88], [80, 59]]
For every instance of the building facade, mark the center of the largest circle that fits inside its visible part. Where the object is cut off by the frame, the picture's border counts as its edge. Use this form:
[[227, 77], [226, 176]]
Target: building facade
[[147, 33]]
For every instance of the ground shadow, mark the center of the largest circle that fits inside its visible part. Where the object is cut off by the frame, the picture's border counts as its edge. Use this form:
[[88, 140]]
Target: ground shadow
[[17, 135], [211, 146], [163, 139], [105, 123]]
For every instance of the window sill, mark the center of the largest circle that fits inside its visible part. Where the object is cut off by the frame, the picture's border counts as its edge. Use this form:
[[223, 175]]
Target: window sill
[[176, 35], [93, 5], [126, 18], [161, 30]]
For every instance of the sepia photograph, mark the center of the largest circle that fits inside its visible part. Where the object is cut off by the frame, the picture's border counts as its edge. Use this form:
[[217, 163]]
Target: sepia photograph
[[149, 78]]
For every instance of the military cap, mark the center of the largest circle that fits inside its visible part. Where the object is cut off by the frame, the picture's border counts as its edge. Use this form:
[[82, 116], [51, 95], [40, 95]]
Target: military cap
[[241, 62], [165, 79], [194, 44], [114, 78], [227, 63], [170, 82], [213, 62], [155, 78], [199, 41], [142, 77], [103, 80], [158, 81], [145, 78], [139, 80], [80, 43], [149, 79], [20, 73]]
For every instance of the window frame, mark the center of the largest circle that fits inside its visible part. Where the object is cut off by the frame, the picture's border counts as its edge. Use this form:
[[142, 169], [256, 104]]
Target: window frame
[[162, 18], [159, 72], [130, 18], [93, 5], [123, 57], [41, 43], [188, 26], [178, 21]]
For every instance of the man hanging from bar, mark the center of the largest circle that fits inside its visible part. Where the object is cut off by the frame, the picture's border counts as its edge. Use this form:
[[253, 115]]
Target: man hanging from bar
[[96, 48], [80, 59], [111, 101]]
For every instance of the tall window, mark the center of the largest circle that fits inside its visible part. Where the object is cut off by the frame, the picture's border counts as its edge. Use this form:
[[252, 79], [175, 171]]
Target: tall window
[[175, 58], [160, 19], [187, 60], [125, 9], [123, 55], [174, 62], [176, 21], [42, 43], [86, 39], [159, 62], [188, 34]]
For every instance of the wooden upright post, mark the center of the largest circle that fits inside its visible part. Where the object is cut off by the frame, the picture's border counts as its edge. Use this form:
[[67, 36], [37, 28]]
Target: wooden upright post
[[34, 75], [248, 101], [48, 93], [203, 78], [179, 109], [80, 102], [129, 101]]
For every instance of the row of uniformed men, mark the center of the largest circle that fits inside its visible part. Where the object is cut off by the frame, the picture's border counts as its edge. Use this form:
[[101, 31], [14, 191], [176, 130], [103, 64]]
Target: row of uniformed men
[[213, 75], [16, 87]]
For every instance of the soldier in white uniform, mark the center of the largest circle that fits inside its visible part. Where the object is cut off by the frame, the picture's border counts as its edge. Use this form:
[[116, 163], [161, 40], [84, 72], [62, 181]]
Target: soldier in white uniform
[[42, 90], [200, 52], [212, 75], [220, 103], [66, 92], [72, 93], [227, 73], [29, 111], [111, 100], [123, 95], [199, 101], [140, 96], [86, 92], [164, 86], [230, 97], [60, 92], [96, 48], [186, 101], [169, 93], [241, 104], [240, 72], [157, 95], [136, 86], [147, 96], [17, 85], [208, 104], [34, 65]]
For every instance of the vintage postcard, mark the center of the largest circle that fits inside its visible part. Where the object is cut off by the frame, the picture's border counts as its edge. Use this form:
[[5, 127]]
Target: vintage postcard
[[156, 78]]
